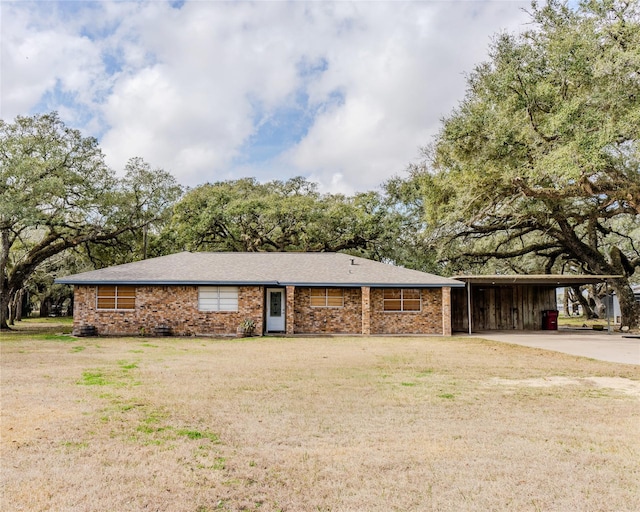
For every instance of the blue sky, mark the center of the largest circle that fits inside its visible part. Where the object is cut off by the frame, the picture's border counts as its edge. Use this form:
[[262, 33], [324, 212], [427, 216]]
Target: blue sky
[[343, 93]]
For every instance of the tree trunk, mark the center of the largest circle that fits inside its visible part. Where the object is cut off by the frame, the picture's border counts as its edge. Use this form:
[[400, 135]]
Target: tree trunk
[[45, 305], [4, 310], [6, 302], [19, 304], [598, 307], [4, 281], [587, 312], [629, 308], [12, 312]]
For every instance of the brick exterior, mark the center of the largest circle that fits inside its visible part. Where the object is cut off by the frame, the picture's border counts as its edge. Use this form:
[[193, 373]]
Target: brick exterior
[[177, 307], [366, 310], [174, 306], [446, 311], [427, 321], [290, 311], [331, 320]]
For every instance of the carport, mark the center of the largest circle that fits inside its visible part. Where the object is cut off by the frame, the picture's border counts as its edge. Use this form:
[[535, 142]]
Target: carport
[[510, 302]]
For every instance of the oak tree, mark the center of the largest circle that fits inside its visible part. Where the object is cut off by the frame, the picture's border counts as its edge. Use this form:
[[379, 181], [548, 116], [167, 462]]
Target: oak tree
[[539, 165], [246, 215], [57, 193]]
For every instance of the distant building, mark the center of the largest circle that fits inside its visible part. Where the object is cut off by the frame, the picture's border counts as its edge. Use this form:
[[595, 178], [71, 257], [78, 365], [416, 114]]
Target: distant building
[[617, 315]]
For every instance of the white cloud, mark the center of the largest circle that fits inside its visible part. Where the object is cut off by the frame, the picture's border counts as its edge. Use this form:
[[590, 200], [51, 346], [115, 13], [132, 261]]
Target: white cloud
[[397, 88], [188, 89], [38, 60]]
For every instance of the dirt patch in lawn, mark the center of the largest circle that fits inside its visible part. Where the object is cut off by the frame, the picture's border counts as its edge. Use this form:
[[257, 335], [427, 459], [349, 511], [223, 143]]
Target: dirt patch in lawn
[[623, 385], [340, 424]]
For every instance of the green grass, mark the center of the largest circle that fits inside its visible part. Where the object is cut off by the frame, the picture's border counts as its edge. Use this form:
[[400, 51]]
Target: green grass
[[580, 321], [171, 432], [197, 434], [127, 366], [76, 445], [67, 320], [155, 417], [56, 337], [94, 378], [51, 325], [102, 377], [20, 335], [146, 429]]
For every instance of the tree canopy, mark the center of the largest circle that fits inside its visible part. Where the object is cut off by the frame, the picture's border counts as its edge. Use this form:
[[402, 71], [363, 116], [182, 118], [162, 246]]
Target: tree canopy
[[539, 166], [57, 193], [245, 215]]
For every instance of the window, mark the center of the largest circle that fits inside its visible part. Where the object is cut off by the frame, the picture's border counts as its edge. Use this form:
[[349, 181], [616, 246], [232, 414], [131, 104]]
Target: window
[[218, 298], [327, 298], [116, 297], [401, 299]]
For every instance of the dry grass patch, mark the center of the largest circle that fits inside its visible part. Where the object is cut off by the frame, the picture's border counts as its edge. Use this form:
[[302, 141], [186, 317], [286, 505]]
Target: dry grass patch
[[341, 424]]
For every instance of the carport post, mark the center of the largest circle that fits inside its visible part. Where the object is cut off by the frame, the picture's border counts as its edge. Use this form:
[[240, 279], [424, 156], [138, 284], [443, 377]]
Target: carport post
[[609, 307], [469, 304]]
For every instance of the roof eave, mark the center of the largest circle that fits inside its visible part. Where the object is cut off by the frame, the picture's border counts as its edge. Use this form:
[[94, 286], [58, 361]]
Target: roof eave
[[148, 282], [551, 280], [155, 282], [373, 285]]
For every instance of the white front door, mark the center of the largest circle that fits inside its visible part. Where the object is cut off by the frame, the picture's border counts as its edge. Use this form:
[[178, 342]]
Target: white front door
[[275, 309]]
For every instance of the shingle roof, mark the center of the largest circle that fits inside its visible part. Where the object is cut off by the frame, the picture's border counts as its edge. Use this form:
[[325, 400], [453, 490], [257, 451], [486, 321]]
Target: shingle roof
[[260, 268]]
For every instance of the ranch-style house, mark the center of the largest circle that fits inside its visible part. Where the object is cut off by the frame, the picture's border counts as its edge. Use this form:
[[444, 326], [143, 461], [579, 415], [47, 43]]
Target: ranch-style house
[[293, 293]]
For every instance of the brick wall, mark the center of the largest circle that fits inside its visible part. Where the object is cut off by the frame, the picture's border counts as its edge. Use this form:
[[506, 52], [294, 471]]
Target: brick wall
[[446, 311], [177, 307], [427, 321], [290, 321], [366, 310], [331, 320], [174, 306]]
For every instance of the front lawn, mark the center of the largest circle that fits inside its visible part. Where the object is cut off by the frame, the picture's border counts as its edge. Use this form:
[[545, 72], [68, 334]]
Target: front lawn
[[298, 424]]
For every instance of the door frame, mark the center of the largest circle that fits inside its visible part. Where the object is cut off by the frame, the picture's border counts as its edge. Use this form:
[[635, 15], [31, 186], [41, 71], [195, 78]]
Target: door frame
[[269, 327]]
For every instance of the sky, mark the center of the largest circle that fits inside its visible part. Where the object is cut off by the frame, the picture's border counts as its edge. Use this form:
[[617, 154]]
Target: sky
[[342, 93]]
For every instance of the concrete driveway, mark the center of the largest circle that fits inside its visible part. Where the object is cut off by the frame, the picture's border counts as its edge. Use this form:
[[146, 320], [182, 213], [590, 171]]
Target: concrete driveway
[[612, 347]]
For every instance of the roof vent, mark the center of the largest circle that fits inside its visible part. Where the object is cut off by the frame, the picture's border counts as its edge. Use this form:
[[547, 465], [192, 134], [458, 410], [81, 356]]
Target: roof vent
[[353, 261]]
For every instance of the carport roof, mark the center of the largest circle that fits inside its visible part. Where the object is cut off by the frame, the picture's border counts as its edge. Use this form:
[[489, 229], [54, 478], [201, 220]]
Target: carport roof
[[556, 280]]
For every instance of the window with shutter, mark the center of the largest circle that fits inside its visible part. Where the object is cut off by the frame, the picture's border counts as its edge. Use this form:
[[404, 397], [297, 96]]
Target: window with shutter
[[327, 298], [116, 297], [218, 298], [400, 300]]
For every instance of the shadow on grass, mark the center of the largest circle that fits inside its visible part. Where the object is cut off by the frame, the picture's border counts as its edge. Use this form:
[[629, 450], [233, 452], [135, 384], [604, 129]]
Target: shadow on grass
[[53, 325]]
